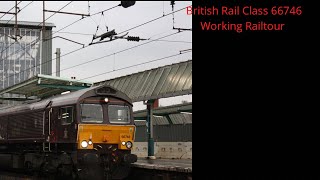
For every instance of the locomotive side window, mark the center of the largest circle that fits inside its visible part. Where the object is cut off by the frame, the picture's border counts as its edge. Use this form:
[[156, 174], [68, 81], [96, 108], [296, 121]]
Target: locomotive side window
[[91, 113], [119, 114], [66, 114]]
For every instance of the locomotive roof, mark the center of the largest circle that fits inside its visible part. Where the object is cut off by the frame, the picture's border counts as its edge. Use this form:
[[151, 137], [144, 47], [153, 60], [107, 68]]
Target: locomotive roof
[[67, 99], [74, 97]]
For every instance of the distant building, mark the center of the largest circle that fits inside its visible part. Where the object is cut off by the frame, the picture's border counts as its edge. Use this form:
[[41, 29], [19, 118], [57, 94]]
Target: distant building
[[21, 60], [26, 57]]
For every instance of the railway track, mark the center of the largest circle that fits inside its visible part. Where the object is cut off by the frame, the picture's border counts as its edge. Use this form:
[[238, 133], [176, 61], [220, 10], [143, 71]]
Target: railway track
[[5, 175], [14, 175]]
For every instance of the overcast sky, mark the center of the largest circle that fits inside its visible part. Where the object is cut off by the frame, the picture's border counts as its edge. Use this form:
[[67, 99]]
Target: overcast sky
[[120, 19]]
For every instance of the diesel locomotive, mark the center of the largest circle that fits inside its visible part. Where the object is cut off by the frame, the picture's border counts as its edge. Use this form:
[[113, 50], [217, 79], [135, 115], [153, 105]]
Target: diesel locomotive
[[80, 135]]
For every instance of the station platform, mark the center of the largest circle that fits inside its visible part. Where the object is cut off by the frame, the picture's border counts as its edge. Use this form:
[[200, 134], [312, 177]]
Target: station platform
[[174, 165]]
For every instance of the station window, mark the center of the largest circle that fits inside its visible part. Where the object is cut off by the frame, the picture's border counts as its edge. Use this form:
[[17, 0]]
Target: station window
[[66, 115]]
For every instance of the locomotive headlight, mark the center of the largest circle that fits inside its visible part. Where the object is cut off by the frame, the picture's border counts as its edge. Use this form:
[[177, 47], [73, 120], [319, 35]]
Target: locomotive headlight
[[123, 143], [90, 142], [106, 100], [84, 144], [129, 144]]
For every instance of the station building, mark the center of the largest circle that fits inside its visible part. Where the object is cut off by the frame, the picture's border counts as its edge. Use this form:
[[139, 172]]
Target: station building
[[24, 54]]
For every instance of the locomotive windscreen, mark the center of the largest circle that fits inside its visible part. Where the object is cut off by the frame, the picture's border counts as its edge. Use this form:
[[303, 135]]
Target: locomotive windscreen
[[118, 114], [91, 113]]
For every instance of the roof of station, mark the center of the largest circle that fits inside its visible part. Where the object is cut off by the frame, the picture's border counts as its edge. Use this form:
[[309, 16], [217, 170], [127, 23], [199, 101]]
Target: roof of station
[[162, 82], [42, 86], [26, 24], [176, 114]]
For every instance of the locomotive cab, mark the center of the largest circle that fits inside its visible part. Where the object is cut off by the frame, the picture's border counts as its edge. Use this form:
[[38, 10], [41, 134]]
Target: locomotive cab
[[98, 131], [99, 117]]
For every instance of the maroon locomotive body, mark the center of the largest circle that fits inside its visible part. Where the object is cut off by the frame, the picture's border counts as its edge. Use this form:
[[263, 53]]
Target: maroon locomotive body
[[84, 134]]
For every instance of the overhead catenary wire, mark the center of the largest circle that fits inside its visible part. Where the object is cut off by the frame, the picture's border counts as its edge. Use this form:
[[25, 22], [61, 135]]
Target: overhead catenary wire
[[65, 32], [57, 11], [154, 60], [162, 8], [105, 10], [99, 13], [84, 34], [147, 22], [10, 10], [88, 45], [123, 31], [89, 7], [9, 21], [153, 20], [160, 33], [105, 22], [37, 25], [25, 5], [163, 40], [39, 39], [172, 3], [30, 43], [19, 11], [96, 59], [93, 59]]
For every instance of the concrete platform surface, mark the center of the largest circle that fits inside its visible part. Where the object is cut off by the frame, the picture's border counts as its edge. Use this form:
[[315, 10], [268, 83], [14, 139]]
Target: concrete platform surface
[[178, 165]]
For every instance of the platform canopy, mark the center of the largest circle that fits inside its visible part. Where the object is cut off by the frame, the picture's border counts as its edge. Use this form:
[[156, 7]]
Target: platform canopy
[[162, 82], [41, 86], [176, 114]]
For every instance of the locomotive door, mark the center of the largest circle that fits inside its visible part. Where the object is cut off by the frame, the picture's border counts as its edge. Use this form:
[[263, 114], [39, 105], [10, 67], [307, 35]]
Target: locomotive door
[[64, 124]]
